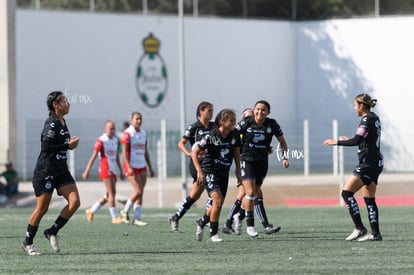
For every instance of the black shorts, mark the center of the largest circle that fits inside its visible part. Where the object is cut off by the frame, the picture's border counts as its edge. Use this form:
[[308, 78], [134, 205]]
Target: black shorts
[[367, 173], [193, 171], [217, 182], [256, 171], [45, 184]]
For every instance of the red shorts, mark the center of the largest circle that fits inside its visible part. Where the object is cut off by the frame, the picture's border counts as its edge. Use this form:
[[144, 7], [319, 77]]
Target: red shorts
[[136, 171], [105, 175]]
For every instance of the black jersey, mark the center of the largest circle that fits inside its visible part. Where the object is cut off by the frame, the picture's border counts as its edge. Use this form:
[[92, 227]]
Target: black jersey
[[219, 151], [54, 145], [197, 131], [369, 146], [257, 138]]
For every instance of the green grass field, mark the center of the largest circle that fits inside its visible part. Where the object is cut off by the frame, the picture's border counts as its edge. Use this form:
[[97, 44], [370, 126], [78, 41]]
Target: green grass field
[[311, 242]]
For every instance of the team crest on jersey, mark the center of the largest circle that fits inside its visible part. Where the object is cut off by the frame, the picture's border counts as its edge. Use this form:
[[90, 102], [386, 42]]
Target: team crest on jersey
[[233, 141], [269, 130], [151, 76]]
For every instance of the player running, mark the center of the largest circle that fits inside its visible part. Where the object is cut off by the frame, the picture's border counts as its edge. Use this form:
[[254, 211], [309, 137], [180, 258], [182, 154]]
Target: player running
[[51, 172], [194, 132], [222, 145]]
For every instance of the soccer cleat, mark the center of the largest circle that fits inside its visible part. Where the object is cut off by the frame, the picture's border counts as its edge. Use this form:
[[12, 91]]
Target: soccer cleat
[[251, 231], [124, 216], [227, 230], [89, 215], [370, 237], [270, 229], [29, 249], [199, 231], [356, 234], [237, 224], [117, 220], [139, 223], [216, 239], [174, 223], [53, 240]]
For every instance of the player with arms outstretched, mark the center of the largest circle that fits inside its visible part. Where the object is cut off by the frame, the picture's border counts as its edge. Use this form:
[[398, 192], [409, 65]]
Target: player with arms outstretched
[[366, 174]]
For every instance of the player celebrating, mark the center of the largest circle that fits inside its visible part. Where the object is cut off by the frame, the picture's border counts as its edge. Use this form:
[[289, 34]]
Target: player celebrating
[[106, 146], [194, 133], [258, 132], [366, 174], [221, 146], [136, 158], [237, 207]]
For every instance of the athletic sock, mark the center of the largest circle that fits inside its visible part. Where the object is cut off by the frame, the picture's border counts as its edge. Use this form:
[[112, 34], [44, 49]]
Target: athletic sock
[[233, 210], [204, 220], [137, 211], [59, 223], [113, 212], [95, 207], [185, 205], [213, 228], [30, 234], [209, 203], [242, 213], [128, 206], [353, 208], [261, 212], [249, 218], [373, 215]]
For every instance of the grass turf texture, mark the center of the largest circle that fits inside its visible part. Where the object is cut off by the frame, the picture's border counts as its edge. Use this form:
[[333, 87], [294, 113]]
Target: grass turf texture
[[311, 242]]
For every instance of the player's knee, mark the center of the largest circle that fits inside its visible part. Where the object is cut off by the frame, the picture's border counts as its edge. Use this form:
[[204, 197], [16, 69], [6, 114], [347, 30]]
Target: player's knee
[[347, 194], [249, 198], [369, 201]]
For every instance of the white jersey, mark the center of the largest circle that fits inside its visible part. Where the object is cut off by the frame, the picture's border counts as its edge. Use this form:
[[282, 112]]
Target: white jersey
[[136, 142], [108, 150]]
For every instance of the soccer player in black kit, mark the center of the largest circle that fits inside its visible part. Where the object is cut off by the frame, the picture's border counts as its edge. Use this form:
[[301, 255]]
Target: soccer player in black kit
[[194, 133], [258, 132], [366, 174], [51, 172], [221, 146]]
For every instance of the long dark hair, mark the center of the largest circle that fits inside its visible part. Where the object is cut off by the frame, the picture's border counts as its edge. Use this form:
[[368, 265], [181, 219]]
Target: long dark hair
[[54, 96], [222, 115], [201, 107], [366, 100]]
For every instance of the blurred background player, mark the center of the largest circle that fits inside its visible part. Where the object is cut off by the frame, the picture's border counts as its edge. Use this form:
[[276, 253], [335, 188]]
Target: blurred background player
[[106, 146], [136, 158], [11, 186], [194, 133], [366, 174]]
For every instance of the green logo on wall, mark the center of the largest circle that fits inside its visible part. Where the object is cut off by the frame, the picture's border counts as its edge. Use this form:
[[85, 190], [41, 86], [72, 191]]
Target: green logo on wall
[[151, 78]]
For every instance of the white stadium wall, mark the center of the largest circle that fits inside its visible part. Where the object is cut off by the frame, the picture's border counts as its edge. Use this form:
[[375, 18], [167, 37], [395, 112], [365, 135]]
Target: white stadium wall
[[306, 70], [339, 59]]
